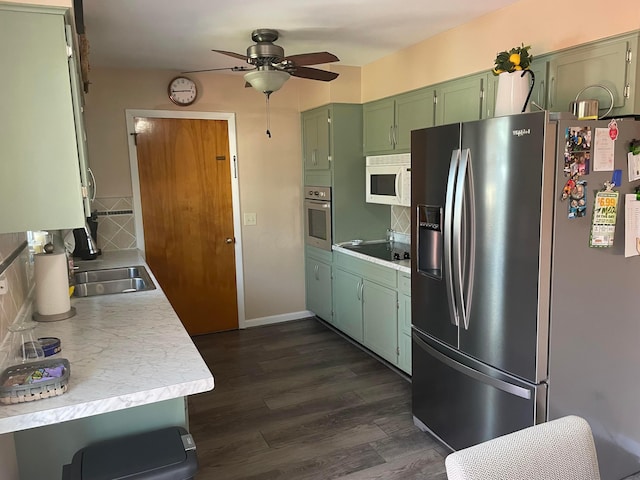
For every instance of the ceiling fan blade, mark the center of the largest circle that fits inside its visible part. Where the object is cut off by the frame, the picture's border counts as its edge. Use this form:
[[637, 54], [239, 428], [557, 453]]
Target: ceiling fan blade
[[313, 74], [233, 69], [231, 54], [314, 58]]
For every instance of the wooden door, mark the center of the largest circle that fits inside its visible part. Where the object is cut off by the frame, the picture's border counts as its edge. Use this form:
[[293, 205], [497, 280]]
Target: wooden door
[[185, 189]]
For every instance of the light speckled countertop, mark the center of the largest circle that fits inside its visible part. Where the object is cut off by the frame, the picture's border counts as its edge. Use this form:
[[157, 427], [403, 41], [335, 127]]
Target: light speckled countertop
[[125, 350], [400, 265]]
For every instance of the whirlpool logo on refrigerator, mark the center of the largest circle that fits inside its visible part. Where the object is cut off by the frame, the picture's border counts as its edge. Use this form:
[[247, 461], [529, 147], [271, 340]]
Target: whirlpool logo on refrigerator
[[521, 132]]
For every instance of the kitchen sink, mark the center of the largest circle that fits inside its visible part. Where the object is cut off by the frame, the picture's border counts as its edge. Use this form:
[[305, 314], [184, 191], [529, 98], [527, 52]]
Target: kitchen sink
[[112, 280]]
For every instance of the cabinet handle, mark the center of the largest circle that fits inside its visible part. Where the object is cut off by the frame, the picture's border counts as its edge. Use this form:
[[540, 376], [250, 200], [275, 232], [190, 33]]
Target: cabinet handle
[[395, 136], [540, 89], [358, 296], [551, 91], [316, 269], [313, 157], [390, 135], [362, 291]]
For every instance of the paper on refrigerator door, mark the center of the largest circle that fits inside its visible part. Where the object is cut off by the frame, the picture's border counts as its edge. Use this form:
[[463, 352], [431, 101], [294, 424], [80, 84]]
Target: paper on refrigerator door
[[632, 226], [634, 166]]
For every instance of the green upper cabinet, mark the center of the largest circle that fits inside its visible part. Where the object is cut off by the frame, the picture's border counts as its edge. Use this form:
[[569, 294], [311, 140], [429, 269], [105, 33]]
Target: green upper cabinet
[[40, 179], [388, 122], [379, 122], [539, 95], [461, 100], [611, 63], [315, 137]]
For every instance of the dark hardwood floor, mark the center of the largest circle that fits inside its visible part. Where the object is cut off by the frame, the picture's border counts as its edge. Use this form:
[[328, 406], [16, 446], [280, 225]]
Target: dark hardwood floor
[[298, 401]]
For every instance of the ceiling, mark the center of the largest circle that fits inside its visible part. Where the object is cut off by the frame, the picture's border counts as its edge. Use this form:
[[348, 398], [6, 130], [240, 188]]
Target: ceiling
[[179, 35]]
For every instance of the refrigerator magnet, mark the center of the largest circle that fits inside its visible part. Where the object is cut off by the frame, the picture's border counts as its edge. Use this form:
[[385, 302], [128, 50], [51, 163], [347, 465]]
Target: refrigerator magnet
[[577, 202], [603, 223]]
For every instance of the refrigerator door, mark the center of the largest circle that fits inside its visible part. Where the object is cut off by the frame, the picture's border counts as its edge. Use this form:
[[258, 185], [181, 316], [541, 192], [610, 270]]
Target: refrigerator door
[[463, 402], [507, 186], [432, 151], [593, 348]]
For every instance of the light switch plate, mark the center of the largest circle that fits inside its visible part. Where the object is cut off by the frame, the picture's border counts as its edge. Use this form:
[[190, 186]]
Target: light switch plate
[[250, 219]]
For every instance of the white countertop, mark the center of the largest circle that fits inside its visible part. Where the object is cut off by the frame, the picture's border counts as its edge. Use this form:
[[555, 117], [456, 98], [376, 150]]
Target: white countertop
[[400, 265], [125, 350]]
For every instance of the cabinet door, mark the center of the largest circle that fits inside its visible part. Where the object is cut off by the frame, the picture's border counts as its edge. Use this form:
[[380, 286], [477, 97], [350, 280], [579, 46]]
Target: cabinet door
[[380, 312], [540, 69], [460, 100], [39, 174], [604, 63], [404, 333], [81, 135], [347, 295], [319, 296], [413, 111], [378, 126], [315, 139]]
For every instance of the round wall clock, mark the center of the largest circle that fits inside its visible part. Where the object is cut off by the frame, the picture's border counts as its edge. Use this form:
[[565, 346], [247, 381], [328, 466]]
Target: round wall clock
[[182, 91]]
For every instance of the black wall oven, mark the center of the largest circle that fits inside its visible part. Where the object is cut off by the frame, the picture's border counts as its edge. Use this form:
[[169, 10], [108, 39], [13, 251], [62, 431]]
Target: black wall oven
[[317, 217]]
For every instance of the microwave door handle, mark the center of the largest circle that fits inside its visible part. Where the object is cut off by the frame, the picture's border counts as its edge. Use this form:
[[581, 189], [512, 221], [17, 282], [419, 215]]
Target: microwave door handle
[[399, 186]]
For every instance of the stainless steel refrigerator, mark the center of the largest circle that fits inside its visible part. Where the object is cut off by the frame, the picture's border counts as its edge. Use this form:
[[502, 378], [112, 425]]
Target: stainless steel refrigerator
[[515, 319]]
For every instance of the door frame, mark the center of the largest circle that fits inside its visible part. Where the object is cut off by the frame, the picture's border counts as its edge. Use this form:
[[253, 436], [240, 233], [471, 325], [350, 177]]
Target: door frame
[[230, 118]]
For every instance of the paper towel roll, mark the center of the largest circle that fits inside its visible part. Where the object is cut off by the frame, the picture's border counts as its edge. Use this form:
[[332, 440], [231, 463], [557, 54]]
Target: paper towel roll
[[52, 283]]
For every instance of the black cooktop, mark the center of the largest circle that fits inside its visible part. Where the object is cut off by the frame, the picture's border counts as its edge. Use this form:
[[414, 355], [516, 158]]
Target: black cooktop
[[383, 250]]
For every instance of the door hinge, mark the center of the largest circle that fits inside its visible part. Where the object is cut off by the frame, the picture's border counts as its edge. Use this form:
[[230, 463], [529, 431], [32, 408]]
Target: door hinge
[[85, 192], [435, 98], [398, 351], [135, 138], [629, 55], [68, 35], [627, 91]]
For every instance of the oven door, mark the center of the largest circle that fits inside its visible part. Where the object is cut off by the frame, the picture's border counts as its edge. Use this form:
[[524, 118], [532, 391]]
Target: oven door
[[317, 224]]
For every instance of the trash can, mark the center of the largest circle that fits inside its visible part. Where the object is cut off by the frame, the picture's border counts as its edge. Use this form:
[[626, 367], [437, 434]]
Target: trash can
[[165, 454]]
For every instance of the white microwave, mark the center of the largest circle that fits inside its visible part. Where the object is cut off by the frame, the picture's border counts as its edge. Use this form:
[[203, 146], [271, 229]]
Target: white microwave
[[388, 179]]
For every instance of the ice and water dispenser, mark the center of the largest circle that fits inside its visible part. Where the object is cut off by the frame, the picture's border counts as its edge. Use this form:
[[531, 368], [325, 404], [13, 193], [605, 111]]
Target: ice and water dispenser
[[429, 251]]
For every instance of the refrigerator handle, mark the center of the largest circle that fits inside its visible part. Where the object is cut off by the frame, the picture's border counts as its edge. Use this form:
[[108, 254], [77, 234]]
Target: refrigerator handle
[[464, 235], [470, 372], [450, 280]]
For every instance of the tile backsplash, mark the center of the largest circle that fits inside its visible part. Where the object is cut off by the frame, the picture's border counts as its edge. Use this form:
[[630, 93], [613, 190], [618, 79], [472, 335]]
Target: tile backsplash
[[17, 276], [116, 227], [400, 219]]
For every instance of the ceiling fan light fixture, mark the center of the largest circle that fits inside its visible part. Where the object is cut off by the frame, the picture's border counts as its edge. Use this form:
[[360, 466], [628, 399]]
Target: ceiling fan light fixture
[[266, 81]]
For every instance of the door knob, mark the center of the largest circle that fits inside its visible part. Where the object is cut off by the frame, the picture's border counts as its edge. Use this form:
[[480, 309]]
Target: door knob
[[228, 240]]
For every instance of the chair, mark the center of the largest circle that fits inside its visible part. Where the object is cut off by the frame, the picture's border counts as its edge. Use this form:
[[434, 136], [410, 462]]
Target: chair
[[561, 449]]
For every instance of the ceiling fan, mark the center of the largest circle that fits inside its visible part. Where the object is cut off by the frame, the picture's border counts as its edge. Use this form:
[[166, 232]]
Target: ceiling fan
[[271, 68]]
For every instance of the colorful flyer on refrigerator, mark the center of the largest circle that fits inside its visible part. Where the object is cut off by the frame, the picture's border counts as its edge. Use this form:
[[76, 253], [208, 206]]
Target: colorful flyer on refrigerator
[[603, 225]]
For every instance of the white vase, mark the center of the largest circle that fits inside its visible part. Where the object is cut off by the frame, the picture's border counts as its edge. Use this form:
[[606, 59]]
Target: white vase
[[513, 89]]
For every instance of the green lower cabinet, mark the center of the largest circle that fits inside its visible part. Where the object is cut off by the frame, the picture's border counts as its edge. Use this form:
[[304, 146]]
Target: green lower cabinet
[[319, 291], [348, 303], [380, 318], [404, 333]]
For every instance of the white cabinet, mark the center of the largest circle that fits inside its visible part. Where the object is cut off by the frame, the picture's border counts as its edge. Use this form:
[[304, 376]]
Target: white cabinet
[[40, 174]]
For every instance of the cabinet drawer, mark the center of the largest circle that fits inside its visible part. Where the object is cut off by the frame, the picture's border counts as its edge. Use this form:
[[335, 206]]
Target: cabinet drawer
[[319, 254], [371, 271], [404, 283]]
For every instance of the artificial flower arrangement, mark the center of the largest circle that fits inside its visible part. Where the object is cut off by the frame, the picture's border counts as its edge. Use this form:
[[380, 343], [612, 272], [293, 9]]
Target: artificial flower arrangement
[[517, 58]]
